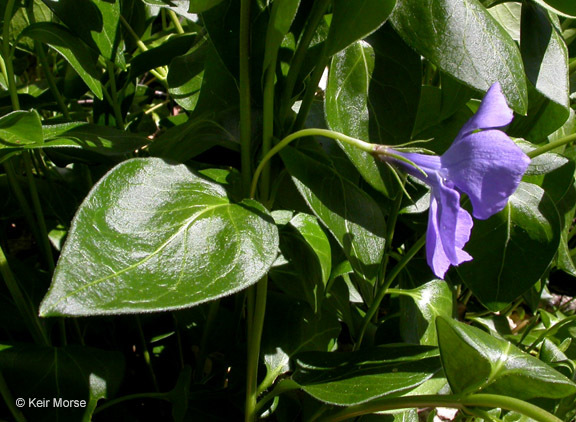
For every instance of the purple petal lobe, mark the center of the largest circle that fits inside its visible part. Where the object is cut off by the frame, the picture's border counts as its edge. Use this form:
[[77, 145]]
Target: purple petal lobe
[[492, 113], [449, 229], [488, 167]]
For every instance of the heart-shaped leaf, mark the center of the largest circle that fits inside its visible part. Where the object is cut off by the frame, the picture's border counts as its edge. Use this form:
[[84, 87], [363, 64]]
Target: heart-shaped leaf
[[153, 236], [474, 360]]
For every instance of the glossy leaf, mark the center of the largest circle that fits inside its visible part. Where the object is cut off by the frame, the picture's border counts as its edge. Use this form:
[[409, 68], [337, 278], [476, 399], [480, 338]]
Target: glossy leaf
[[523, 240], [395, 88], [350, 378], [353, 20], [68, 373], [565, 8], [546, 62], [103, 140], [78, 54], [291, 327], [19, 129], [100, 31], [153, 236], [347, 107], [306, 268], [198, 6], [350, 214], [464, 40], [177, 6], [185, 77], [475, 361], [281, 17], [419, 308]]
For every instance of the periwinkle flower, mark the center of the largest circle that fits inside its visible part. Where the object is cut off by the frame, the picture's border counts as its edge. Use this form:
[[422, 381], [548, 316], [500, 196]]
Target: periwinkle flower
[[483, 162]]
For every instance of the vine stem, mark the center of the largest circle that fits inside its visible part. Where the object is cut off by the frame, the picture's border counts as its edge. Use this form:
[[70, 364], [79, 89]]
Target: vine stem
[[552, 145], [385, 286], [454, 401], [364, 146]]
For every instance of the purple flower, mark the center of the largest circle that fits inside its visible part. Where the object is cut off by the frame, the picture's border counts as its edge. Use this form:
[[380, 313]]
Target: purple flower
[[483, 162]]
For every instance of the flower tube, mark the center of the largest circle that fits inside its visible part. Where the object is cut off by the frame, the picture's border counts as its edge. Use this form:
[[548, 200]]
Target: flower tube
[[482, 162]]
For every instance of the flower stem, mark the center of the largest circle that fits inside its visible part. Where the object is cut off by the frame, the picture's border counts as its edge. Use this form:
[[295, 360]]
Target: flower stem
[[552, 145], [176, 21], [384, 289], [364, 146], [454, 401]]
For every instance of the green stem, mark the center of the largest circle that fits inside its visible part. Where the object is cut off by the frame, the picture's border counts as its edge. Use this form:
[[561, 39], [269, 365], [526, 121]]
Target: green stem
[[268, 124], [254, 340], [364, 146], [50, 79], [146, 353], [9, 400], [114, 96], [384, 289], [453, 401], [282, 387], [175, 21], [45, 241], [24, 306], [552, 145], [160, 73], [316, 16], [245, 97]]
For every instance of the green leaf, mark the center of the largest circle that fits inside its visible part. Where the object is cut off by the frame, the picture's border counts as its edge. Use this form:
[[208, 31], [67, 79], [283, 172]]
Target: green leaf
[[475, 361], [307, 260], [198, 6], [350, 378], [394, 88], [546, 62], [185, 77], [154, 236], [78, 54], [185, 141], [418, 315], [353, 20], [465, 41], [346, 108], [20, 129], [103, 140], [350, 214], [21, 20], [68, 373], [177, 6], [523, 240], [281, 17], [292, 327], [308, 227], [565, 8], [162, 55], [100, 31]]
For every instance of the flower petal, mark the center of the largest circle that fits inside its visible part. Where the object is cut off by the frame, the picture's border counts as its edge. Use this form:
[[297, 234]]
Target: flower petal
[[448, 231], [492, 113], [488, 167]]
